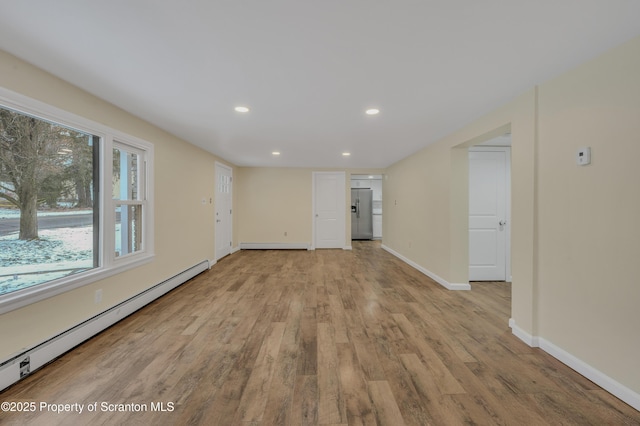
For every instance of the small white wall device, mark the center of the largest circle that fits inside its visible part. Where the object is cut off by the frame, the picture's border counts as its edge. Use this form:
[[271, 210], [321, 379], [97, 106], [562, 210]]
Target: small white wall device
[[584, 156]]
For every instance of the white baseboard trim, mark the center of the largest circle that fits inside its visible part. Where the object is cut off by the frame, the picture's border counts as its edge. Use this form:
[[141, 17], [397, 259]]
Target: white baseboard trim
[[274, 246], [213, 261], [41, 354], [523, 335], [347, 248], [596, 376], [436, 278]]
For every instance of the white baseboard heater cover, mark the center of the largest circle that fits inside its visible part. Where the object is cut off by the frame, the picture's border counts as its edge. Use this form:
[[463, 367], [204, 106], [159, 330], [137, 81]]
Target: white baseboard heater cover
[[30, 360], [274, 246]]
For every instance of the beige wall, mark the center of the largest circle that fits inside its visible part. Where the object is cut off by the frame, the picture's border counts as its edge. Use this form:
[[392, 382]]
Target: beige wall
[[274, 200], [575, 230], [425, 210], [589, 217], [184, 236]]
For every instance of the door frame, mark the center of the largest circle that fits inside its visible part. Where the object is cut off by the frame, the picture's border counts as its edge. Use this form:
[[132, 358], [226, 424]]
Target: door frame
[[507, 150], [342, 205], [215, 207]]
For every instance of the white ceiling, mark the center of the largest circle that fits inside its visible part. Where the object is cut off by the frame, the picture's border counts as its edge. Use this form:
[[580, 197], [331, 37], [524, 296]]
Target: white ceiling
[[308, 69]]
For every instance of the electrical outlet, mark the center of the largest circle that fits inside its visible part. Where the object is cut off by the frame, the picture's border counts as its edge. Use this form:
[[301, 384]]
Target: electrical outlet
[[97, 299]]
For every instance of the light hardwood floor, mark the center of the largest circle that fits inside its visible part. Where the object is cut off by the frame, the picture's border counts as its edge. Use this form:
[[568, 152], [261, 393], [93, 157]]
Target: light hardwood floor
[[319, 337]]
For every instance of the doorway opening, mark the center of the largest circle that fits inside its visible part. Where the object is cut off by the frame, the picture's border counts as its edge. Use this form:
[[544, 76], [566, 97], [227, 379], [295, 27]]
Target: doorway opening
[[490, 210], [366, 207]]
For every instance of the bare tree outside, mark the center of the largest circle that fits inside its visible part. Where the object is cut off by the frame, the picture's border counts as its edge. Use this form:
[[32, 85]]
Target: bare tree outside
[[41, 163], [48, 223]]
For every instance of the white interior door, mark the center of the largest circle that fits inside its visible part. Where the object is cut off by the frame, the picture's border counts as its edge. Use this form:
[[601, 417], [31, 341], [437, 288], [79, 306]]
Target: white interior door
[[223, 209], [488, 213], [329, 209]]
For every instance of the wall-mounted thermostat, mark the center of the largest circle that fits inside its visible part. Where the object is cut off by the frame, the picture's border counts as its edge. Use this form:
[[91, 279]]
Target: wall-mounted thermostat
[[584, 156]]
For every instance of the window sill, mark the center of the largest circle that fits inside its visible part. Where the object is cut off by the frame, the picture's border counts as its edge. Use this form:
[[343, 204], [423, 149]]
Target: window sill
[[27, 296]]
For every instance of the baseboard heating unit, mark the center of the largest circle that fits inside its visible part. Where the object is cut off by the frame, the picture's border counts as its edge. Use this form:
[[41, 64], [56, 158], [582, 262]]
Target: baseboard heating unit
[[25, 363], [274, 246]]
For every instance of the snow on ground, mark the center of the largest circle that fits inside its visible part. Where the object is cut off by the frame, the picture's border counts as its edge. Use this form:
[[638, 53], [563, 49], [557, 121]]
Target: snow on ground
[[15, 213], [58, 253]]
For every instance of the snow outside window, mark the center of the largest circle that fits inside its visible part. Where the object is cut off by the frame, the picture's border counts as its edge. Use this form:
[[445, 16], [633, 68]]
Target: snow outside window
[[58, 228], [48, 229], [128, 196]]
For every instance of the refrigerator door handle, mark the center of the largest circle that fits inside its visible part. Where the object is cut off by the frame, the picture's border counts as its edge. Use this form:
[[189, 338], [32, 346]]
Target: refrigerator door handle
[[358, 208]]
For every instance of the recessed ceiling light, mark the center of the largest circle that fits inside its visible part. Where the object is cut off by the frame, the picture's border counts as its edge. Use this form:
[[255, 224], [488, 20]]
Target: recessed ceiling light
[[372, 111], [276, 153], [346, 154], [241, 109]]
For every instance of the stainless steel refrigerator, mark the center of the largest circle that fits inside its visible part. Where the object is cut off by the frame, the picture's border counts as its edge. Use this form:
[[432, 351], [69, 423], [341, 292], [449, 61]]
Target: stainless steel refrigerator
[[361, 214]]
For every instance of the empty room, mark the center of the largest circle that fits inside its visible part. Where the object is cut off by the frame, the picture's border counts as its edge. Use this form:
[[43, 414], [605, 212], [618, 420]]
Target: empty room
[[319, 213]]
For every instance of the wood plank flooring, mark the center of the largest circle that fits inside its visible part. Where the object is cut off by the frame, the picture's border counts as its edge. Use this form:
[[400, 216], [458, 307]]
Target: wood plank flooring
[[325, 337]]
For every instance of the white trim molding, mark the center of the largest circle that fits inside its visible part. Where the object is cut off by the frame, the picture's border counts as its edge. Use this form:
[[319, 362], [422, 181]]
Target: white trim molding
[[523, 335], [108, 264], [596, 376], [446, 284]]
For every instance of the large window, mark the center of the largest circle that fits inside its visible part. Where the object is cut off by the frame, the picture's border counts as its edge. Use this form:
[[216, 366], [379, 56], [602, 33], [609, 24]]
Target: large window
[[58, 228], [47, 203]]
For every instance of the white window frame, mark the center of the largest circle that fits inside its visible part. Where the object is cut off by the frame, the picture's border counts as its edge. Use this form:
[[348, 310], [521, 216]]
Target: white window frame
[[142, 201], [109, 264]]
